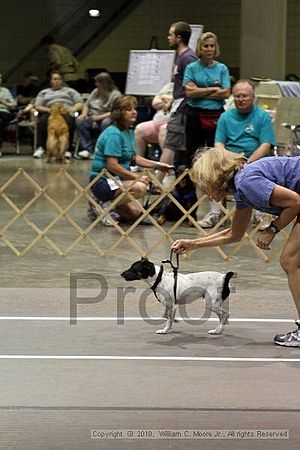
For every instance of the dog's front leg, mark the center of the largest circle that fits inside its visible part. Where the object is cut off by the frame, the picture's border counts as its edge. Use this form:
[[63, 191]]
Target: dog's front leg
[[170, 314]]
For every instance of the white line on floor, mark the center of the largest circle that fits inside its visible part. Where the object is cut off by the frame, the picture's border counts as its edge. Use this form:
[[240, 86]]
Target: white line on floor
[[149, 358], [127, 319]]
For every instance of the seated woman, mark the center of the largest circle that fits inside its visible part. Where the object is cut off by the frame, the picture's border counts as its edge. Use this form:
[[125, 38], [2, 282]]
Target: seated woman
[[56, 93], [7, 106], [154, 131], [95, 115], [115, 151]]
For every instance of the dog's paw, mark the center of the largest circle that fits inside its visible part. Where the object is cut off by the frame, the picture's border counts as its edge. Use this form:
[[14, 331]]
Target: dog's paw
[[163, 331], [216, 331]]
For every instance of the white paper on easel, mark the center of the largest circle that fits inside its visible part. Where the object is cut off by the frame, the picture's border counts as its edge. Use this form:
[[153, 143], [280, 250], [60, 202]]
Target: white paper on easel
[[148, 71], [197, 30]]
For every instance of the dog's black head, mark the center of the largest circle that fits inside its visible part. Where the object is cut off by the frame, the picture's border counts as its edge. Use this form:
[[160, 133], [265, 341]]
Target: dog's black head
[[139, 270]]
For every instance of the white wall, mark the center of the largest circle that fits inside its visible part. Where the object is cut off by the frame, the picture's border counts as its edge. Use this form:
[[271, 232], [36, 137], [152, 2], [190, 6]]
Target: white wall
[[293, 37], [23, 24], [153, 18]]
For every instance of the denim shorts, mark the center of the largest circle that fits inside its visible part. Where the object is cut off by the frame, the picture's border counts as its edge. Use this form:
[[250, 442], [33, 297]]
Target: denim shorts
[[102, 190]]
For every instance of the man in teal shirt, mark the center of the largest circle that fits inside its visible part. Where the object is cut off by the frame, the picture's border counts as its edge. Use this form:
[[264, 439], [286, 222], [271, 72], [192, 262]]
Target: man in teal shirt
[[244, 129]]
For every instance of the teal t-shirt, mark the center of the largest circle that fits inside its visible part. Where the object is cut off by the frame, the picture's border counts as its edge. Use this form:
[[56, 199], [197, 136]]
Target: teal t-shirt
[[244, 133], [113, 142], [204, 76]]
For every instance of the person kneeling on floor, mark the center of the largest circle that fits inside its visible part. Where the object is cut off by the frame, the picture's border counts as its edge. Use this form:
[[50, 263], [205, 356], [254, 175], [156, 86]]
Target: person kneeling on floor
[[115, 151]]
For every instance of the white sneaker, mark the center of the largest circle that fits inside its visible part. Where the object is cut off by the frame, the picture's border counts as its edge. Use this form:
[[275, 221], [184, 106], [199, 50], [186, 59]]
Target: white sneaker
[[291, 339], [39, 153], [84, 154], [210, 220], [111, 218], [108, 220], [68, 155]]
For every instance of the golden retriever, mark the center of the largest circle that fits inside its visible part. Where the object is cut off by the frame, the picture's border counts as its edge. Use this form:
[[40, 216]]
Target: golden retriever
[[58, 133]]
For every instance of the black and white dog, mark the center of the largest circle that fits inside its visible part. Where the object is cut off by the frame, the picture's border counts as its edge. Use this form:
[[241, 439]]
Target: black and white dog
[[212, 286]]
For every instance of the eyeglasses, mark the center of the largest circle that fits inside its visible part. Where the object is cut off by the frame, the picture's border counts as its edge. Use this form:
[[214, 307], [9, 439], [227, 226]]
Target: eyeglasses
[[241, 97]]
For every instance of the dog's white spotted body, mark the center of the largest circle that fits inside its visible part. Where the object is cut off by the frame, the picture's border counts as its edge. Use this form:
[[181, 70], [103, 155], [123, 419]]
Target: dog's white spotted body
[[213, 287]]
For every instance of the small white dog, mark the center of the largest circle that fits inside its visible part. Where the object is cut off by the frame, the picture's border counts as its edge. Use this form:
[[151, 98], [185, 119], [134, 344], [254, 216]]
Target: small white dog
[[212, 286]]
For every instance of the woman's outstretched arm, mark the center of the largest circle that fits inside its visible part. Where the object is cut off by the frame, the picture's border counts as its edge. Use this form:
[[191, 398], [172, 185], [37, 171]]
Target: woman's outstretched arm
[[240, 221]]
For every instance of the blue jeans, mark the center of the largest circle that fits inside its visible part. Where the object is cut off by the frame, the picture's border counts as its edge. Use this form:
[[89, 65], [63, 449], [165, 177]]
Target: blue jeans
[[5, 118], [88, 132]]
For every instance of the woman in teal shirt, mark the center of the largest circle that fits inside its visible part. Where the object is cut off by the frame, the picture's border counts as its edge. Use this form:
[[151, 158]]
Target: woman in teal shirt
[[207, 85], [116, 152]]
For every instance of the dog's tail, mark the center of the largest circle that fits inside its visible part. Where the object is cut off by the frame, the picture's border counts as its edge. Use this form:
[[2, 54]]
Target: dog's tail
[[226, 288]]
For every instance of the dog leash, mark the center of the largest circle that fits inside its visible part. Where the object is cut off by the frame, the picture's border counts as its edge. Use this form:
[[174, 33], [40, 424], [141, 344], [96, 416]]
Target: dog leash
[[148, 196], [157, 281], [175, 273]]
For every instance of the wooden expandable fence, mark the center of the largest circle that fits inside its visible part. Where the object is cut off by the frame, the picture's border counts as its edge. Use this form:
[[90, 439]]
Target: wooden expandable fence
[[85, 230]]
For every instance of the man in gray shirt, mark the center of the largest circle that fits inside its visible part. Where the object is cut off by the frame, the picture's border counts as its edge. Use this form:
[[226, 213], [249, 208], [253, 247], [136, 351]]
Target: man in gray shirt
[[178, 38]]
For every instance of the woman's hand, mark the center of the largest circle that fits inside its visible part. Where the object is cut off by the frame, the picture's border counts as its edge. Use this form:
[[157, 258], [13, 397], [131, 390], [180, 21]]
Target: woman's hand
[[182, 245], [96, 117], [163, 167], [144, 179], [167, 107], [265, 239]]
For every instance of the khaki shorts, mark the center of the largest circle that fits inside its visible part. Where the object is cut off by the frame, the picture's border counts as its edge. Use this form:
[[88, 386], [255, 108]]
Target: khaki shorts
[[175, 138]]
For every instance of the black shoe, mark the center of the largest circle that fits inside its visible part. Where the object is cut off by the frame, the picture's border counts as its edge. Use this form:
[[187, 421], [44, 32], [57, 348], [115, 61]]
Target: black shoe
[[291, 339], [146, 222]]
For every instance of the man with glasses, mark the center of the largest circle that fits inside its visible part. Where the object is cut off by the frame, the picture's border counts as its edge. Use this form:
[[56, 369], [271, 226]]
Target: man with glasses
[[247, 129]]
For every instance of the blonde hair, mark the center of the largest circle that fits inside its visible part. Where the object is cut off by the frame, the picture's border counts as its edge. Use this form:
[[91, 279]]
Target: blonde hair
[[203, 38], [214, 169]]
